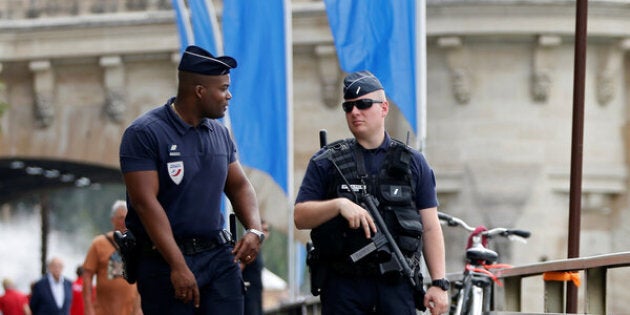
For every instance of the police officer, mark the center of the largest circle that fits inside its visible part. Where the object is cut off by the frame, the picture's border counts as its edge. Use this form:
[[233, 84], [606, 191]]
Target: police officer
[[329, 203], [177, 161]]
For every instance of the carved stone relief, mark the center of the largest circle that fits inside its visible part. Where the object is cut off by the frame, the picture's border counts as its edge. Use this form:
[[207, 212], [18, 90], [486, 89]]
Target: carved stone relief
[[608, 63], [457, 61], [44, 86], [115, 105], [114, 78], [329, 75], [543, 67], [541, 85]]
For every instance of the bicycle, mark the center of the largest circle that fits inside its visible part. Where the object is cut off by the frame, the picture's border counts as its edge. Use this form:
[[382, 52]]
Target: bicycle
[[472, 295]]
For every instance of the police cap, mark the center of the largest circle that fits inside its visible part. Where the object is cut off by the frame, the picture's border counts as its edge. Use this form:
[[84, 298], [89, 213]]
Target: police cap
[[198, 60], [360, 83]]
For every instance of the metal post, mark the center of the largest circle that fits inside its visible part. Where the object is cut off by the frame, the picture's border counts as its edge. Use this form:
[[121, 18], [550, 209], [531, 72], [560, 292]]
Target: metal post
[[45, 228], [577, 145]]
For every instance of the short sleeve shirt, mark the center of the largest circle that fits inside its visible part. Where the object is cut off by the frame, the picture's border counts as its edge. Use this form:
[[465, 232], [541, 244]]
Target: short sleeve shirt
[[320, 174], [114, 294], [192, 166]]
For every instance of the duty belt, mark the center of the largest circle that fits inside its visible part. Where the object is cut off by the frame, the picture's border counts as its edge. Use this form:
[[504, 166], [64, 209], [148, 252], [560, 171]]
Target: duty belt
[[192, 246]]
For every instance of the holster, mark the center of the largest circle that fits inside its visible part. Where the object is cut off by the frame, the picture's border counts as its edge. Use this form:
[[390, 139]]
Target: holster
[[129, 251], [318, 271], [418, 290]]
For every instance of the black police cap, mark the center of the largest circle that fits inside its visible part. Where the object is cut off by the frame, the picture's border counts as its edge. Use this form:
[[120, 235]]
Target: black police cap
[[360, 83], [198, 60]]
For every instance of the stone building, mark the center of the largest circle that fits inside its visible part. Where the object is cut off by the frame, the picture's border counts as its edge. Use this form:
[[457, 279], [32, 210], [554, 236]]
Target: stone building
[[499, 116]]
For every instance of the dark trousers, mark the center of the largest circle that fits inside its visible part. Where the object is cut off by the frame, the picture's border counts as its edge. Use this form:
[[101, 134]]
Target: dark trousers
[[218, 278], [357, 295]]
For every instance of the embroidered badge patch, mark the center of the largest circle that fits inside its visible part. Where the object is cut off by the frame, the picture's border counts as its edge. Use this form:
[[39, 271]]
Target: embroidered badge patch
[[176, 171]]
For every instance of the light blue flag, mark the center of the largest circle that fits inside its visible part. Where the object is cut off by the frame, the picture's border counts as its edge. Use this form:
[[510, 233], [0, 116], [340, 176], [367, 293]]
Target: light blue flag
[[254, 33], [379, 36], [182, 19], [197, 24], [203, 20]]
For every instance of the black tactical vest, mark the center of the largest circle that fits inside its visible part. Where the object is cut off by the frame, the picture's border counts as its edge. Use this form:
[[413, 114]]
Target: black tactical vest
[[392, 186]]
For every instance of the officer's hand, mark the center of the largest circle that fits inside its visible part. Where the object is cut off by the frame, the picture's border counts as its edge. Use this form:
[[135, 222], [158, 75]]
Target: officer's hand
[[185, 285], [246, 248], [436, 300], [357, 217]]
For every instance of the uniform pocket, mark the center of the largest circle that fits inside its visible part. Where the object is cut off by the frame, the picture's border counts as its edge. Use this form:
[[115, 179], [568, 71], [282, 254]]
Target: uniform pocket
[[409, 230], [396, 194]]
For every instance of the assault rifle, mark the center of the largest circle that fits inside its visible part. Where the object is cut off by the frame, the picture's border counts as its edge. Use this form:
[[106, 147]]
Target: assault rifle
[[382, 240]]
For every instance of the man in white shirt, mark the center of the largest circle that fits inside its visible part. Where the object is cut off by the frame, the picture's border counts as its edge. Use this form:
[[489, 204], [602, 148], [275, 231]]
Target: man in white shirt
[[52, 294]]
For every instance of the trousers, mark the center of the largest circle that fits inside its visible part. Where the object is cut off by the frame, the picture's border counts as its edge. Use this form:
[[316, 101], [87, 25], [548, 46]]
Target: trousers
[[363, 295], [219, 279]]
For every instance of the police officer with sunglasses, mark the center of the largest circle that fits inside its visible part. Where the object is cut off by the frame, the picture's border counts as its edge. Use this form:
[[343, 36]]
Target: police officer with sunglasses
[[329, 203]]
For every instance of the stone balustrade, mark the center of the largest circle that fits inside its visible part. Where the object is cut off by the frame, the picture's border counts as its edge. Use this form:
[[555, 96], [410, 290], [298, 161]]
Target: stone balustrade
[[33, 9]]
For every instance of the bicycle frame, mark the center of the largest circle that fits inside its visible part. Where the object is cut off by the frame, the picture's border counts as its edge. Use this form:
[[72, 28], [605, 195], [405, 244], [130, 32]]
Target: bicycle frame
[[473, 294]]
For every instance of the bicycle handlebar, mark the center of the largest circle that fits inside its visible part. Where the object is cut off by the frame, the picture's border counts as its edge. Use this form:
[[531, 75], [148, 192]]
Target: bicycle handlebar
[[455, 221]]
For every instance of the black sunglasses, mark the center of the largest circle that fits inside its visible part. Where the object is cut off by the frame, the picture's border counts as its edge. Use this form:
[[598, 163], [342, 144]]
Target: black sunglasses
[[360, 104]]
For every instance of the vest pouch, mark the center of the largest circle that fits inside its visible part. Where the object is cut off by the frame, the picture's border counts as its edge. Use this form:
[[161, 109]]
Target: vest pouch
[[396, 194], [409, 230], [336, 241], [326, 238]]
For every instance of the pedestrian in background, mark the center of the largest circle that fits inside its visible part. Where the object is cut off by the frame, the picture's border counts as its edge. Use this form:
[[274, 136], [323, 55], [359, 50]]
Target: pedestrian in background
[[52, 294], [252, 275], [13, 302], [77, 307], [114, 295]]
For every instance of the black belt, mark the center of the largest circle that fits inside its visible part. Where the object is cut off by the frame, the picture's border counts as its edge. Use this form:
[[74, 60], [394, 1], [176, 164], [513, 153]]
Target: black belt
[[194, 245], [191, 245]]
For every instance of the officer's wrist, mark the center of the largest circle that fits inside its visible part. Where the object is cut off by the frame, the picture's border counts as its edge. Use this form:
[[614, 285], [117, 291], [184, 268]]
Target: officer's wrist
[[257, 233], [442, 283]]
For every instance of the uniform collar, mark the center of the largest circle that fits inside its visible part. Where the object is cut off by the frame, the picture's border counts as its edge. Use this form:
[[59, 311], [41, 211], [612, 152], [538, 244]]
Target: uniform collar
[[178, 123], [382, 147]]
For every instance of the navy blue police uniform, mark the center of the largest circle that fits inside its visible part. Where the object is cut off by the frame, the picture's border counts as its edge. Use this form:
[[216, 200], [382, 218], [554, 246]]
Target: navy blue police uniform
[[192, 167], [403, 182], [344, 291]]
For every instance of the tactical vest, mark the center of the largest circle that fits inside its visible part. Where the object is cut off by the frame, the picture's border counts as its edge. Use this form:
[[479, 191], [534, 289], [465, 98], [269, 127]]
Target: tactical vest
[[393, 187]]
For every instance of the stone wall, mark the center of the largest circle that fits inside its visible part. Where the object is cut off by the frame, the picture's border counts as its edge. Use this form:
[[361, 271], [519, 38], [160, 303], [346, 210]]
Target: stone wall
[[500, 103]]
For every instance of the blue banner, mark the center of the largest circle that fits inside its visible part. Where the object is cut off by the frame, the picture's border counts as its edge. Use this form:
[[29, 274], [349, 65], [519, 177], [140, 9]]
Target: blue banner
[[203, 20], [254, 33], [184, 28], [197, 25], [379, 36]]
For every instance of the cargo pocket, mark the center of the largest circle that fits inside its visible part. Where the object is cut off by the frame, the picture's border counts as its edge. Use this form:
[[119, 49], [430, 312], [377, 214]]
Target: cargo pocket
[[409, 230]]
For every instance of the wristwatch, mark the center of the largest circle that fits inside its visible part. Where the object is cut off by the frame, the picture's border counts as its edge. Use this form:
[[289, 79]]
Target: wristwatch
[[261, 235], [443, 284]]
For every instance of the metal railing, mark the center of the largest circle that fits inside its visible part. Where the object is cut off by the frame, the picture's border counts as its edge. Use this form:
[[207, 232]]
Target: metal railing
[[508, 299], [594, 268], [33, 9]]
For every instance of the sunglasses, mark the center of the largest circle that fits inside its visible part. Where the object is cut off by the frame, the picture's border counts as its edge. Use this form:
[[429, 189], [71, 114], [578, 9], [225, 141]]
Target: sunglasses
[[360, 104]]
